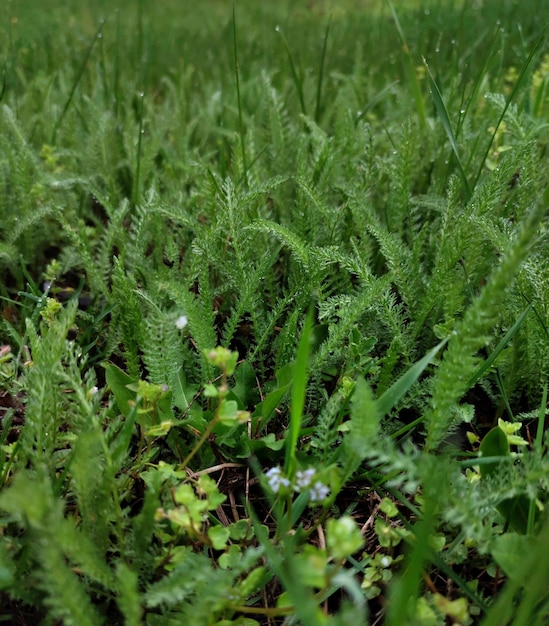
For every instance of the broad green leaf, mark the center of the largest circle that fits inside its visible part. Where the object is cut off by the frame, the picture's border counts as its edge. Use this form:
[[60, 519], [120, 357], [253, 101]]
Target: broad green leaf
[[268, 441], [227, 412], [254, 581], [311, 566], [514, 510], [245, 385], [494, 444], [183, 392], [219, 535], [509, 552], [164, 407], [118, 382], [266, 408], [365, 416]]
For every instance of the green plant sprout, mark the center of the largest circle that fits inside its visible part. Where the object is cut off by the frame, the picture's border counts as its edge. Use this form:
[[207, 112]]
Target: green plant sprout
[[226, 412]]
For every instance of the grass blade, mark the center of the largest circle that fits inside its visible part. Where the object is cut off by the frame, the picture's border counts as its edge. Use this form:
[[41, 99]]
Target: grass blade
[[508, 102], [397, 390], [79, 74], [136, 189], [3, 90], [410, 70], [375, 100], [541, 421], [298, 80], [538, 447], [477, 83], [239, 101], [299, 389], [486, 365], [321, 72], [447, 125]]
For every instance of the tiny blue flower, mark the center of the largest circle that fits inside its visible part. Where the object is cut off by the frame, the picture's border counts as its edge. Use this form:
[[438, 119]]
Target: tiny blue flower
[[304, 478], [319, 492], [276, 479]]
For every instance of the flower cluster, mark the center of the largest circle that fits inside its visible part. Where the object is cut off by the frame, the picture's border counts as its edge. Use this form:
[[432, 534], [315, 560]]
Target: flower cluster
[[304, 479], [319, 492], [276, 479]]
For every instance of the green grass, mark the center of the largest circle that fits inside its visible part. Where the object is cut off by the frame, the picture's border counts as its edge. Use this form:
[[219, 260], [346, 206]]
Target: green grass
[[274, 295]]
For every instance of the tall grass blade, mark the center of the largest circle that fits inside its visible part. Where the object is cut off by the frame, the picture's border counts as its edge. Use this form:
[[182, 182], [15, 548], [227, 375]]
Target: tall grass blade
[[4, 83], [476, 86], [140, 33], [116, 71], [137, 182], [392, 396], [508, 102], [298, 80], [541, 421], [239, 102], [410, 69], [539, 448], [321, 72], [487, 365], [76, 81], [299, 388], [375, 100], [447, 125]]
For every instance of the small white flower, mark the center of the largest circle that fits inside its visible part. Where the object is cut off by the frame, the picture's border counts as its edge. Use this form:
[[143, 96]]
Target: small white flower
[[319, 492], [304, 478], [276, 479], [181, 322], [91, 393]]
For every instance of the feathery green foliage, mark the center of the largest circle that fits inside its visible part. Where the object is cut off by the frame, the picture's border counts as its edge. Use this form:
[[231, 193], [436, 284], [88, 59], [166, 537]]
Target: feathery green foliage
[[270, 277]]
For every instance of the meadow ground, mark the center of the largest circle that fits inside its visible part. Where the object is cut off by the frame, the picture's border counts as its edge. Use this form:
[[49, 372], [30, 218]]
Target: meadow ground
[[274, 291]]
